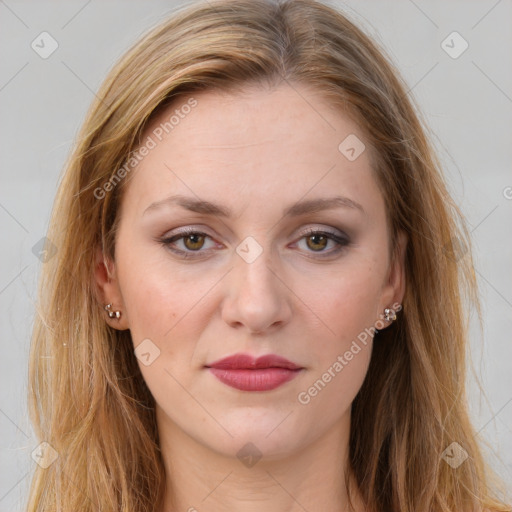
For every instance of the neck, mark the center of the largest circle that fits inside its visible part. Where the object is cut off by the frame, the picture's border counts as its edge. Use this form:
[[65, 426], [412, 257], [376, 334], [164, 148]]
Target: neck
[[199, 479]]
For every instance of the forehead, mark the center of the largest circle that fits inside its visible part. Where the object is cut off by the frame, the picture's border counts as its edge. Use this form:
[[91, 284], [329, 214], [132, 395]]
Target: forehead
[[255, 115], [252, 146]]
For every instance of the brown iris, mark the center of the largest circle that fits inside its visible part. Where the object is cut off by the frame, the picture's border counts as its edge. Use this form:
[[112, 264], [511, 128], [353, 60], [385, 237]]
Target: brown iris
[[194, 241], [319, 240]]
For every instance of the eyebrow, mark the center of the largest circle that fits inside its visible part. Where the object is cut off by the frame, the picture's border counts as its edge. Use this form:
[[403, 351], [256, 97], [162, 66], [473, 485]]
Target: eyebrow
[[300, 208]]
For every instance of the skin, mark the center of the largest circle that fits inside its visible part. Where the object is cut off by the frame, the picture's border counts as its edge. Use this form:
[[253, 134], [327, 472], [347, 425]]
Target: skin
[[255, 153]]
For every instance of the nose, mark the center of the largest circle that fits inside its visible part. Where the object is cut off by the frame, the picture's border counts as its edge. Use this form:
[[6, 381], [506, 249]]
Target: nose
[[257, 298]]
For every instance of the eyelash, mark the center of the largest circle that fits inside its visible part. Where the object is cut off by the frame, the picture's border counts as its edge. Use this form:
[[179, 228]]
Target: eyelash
[[342, 242]]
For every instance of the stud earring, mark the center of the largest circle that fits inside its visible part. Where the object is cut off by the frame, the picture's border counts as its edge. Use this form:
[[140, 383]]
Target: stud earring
[[112, 314], [389, 315]]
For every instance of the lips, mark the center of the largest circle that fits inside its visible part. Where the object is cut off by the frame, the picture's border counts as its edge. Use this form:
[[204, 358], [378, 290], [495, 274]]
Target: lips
[[246, 373]]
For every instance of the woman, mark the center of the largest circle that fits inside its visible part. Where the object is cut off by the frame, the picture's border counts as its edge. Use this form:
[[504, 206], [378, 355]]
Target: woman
[[257, 302]]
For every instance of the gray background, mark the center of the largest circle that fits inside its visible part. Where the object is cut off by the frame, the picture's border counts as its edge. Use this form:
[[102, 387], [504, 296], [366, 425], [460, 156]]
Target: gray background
[[467, 102]]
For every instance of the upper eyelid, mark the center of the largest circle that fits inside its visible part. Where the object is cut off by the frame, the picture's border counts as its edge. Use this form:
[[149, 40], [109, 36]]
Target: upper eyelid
[[310, 230]]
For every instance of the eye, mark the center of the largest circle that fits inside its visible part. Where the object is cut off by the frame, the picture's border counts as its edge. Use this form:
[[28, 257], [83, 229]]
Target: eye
[[192, 241], [316, 240]]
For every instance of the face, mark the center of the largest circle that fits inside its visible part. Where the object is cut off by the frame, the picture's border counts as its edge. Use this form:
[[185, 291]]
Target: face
[[289, 257]]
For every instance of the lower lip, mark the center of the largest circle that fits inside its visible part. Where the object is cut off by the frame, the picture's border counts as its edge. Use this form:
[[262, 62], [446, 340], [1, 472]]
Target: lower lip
[[263, 379]]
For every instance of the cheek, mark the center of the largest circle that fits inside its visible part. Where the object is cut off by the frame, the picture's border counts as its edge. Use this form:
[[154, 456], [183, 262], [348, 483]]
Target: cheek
[[355, 305], [153, 298], [342, 354], [161, 308], [345, 302], [152, 305], [169, 305], [332, 390]]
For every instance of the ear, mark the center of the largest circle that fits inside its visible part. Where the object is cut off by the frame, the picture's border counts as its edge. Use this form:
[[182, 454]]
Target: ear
[[394, 287], [108, 291]]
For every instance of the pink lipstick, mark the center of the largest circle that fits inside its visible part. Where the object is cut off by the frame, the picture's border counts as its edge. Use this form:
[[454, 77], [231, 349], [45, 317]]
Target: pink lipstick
[[246, 373]]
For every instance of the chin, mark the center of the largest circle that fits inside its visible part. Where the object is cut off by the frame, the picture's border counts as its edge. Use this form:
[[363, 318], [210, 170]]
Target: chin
[[267, 435]]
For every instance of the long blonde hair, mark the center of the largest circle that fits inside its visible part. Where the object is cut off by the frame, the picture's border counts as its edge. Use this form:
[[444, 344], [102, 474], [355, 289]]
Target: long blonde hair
[[88, 399]]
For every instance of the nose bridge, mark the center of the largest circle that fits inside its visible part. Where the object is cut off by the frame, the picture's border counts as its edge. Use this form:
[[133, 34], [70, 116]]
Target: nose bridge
[[257, 298], [255, 262], [254, 267]]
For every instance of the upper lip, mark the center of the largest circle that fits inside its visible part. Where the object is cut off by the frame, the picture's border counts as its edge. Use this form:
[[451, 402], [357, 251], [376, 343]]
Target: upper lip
[[248, 362]]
